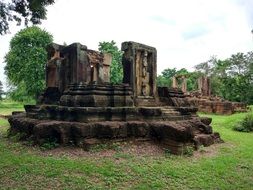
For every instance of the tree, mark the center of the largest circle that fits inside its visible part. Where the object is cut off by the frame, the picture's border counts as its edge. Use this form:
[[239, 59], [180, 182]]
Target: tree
[[116, 72], [169, 73], [206, 67], [26, 11], [1, 90], [19, 93], [192, 80], [238, 83], [165, 79], [25, 61]]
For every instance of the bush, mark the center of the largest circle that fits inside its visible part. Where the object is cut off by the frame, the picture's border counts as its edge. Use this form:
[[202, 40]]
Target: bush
[[49, 144], [246, 125], [188, 151]]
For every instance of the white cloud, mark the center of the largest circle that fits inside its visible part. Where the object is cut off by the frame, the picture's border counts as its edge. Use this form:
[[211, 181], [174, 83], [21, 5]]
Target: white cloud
[[185, 33]]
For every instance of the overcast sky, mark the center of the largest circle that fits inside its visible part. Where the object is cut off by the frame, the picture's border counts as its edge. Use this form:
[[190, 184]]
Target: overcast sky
[[185, 32]]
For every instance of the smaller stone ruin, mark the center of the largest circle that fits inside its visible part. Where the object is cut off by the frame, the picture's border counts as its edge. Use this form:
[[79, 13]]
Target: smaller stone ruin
[[205, 101], [81, 107], [183, 85]]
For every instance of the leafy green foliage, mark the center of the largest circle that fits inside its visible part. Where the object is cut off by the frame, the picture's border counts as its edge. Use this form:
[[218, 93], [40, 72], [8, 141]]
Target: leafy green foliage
[[17, 137], [25, 10], [25, 61], [188, 151], [246, 125], [49, 144], [166, 78], [19, 93], [105, 146], [116, 72]]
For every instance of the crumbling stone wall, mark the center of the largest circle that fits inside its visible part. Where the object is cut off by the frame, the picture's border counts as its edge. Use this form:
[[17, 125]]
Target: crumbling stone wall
[[73, 65], [212, 104], [175, 84]]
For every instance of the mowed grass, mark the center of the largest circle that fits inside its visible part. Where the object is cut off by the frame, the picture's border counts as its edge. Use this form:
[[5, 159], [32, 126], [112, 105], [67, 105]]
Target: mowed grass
[[7, 107], [224, 166]]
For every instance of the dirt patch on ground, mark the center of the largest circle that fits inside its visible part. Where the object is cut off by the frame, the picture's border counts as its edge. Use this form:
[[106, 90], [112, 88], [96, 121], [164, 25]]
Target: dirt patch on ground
[[4, 116], [134, 148], [127, 149], [115, 150], [211, 151]]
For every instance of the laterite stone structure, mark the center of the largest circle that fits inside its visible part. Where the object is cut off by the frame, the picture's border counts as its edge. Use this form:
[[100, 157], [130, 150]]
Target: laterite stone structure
[[203, 98], [208, 103], [81, 107]]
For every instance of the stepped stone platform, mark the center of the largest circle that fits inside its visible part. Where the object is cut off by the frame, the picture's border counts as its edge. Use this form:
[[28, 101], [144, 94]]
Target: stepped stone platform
[[81, 107], [176, 134]]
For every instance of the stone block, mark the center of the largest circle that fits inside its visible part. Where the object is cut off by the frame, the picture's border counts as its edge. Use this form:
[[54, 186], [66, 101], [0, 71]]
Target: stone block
[[206, 120], [138, 129]]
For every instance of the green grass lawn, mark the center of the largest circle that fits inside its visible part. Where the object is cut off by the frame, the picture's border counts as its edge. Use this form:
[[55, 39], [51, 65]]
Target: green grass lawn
[[224, 166], [6, 107]]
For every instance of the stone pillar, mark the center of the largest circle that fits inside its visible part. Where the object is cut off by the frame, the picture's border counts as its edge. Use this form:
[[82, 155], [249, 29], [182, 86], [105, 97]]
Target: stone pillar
[[76, 59], [174, 82], [204, 86], [106, 67], [200, 84], [139, 67], [184, 84], [53, 78], [96, 61], [208, 86], [94, 73]]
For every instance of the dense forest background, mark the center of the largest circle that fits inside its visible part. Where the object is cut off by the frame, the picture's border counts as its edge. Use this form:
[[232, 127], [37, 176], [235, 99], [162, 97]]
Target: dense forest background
[[231, 78]]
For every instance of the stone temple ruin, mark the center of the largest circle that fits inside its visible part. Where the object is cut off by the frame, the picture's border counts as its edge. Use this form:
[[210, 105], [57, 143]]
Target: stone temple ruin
[[79, 105], [208, 103], [203, 98]]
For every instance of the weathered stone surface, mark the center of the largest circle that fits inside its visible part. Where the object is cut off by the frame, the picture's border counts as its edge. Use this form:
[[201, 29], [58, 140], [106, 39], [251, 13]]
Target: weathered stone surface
[[217, 138], [187, 131], [212, 104], [200, 127], [95, 114], [203, 139], [206, 120], [106, 67], [54, 67], [204, 86], [22, 124], [176, 147], [138, 129], [74, 65], [94, 95], [178, 131], [173, 97], [52, 130], [240, 107], [108, 130], [50, 96], [139, 66]]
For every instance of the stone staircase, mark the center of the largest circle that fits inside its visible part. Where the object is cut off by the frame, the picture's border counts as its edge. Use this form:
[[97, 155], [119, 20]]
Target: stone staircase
[[32, 111], [171, 113]]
